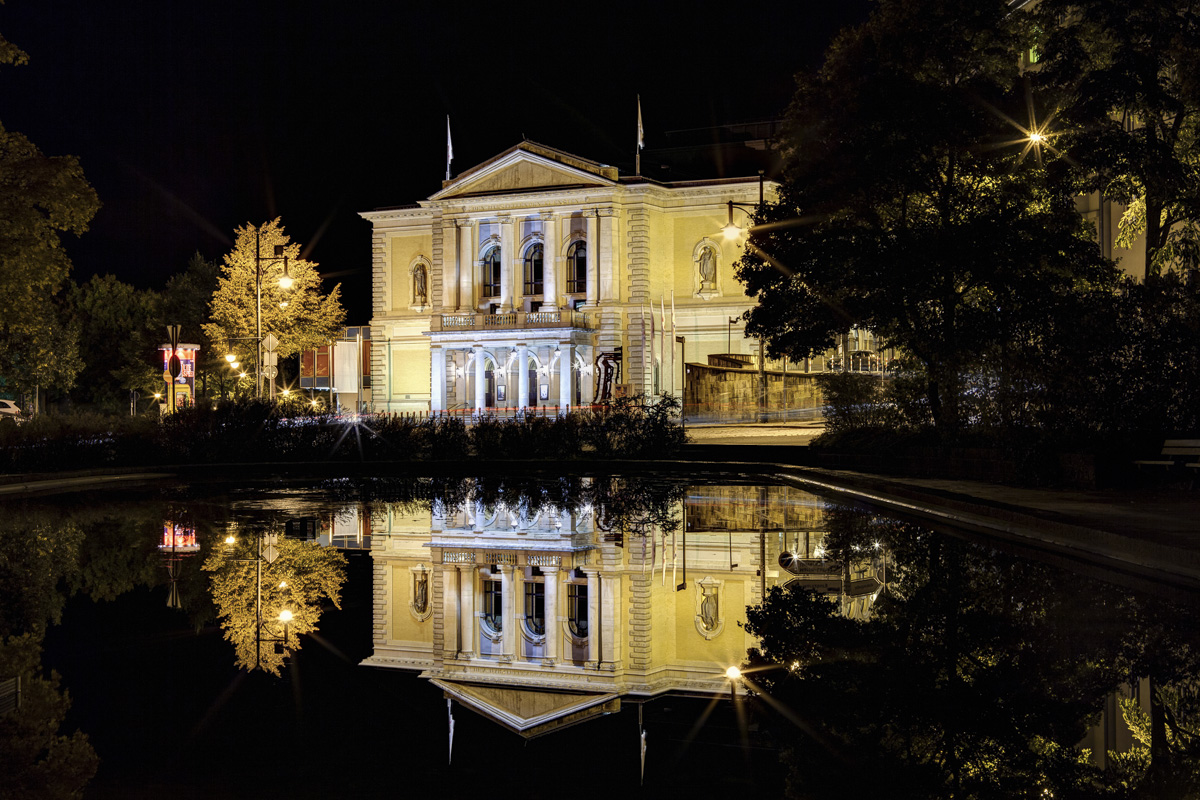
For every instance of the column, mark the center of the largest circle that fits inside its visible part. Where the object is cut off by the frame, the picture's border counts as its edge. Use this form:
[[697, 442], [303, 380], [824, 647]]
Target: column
[[550, 248], [508, 636], [450, 265], [593, 584], [509, 264], [553, 623], [593, 258], [464, 300], [610, 591], [565, 387], [522, 398], [479, 379], [607, 267], [437, 378], [451, 599], [466, 611], [588, 378]]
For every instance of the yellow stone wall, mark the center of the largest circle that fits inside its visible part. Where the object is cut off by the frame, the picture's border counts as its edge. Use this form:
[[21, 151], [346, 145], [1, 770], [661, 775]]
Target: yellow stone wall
[[404, 248]]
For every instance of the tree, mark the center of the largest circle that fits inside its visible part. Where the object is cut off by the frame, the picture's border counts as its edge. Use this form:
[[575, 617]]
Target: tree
[[119, 337], [1127, 81], [975, 676], [38, 762], [299, 580], [907, 208], [40, 199], [185, 303], [301, 317]]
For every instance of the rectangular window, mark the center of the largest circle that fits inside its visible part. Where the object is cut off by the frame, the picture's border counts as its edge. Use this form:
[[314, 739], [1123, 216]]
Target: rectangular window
[[535, 607], [577, 608], [493, 604]]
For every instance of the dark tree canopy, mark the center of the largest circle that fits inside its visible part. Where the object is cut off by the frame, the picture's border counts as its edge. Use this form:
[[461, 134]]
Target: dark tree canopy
[[911, 203], [1125, 78]]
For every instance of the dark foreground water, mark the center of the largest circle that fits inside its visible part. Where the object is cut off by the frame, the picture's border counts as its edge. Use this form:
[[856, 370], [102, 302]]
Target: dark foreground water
[[113, 587]]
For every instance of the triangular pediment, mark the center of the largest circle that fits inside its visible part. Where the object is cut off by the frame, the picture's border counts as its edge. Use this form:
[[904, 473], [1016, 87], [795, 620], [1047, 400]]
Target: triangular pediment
[[530, 711], [528, 167]]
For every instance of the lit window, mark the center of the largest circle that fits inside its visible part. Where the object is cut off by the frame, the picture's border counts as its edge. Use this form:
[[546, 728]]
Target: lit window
[[535, 607], [577, 611], [577, 269], [493, 605], [491, 273], [533, 270]]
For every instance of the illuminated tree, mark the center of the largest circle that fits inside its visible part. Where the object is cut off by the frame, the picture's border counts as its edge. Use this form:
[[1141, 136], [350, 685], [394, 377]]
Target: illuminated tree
[[300, 580], [1128, 88], [300, 317]]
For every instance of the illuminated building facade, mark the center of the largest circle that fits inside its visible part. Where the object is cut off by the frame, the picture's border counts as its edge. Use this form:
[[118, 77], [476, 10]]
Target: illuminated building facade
[[545, 619], [540, 279]]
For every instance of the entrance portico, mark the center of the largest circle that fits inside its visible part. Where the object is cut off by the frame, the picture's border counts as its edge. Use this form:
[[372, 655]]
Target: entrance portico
[[505, 363]]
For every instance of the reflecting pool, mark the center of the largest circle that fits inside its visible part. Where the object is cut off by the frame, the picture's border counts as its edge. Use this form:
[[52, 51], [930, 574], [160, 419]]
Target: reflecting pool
[[356, 638]]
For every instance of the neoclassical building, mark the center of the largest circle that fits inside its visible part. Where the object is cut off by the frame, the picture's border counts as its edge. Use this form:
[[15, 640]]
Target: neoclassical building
[[539, 619], [539, 278]]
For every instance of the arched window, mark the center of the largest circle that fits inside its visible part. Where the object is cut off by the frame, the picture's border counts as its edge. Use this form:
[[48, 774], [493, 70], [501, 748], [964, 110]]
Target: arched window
[[577, 269], [533, 270], [491, 278]]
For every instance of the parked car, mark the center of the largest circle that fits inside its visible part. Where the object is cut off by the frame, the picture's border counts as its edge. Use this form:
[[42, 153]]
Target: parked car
[[10, 410]]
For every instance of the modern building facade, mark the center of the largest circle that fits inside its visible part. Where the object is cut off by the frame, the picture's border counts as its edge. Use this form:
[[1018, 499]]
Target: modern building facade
[[541, 279]]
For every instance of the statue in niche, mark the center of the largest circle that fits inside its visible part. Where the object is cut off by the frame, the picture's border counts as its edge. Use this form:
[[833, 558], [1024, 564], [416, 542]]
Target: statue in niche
[[707, 261], [708, 609], [421, 592], [709, 623], [420, 290]]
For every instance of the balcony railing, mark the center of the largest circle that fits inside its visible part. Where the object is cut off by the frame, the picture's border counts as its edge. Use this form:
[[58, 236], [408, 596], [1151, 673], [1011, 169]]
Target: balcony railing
[[517, 320]]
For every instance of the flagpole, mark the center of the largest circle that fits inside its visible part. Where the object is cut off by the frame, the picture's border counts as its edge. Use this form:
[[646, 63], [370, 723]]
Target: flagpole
[[449, 148], [641, 141]]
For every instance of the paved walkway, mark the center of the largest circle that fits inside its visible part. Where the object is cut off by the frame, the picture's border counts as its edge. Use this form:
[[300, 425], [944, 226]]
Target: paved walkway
[[1152, 534]]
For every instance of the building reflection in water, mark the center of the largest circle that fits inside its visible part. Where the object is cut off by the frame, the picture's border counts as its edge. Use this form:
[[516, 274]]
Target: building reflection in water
[[541, 617]]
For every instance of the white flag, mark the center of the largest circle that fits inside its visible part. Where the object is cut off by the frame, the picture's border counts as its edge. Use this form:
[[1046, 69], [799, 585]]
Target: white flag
[[641, 133], [450, 713], [449, 148]]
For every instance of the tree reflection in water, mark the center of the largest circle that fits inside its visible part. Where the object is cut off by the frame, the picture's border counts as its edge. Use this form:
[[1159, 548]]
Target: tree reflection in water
[[300, 580], [976, 675]]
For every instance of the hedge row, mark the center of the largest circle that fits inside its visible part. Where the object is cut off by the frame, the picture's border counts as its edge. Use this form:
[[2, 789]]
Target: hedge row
[[253, 431]]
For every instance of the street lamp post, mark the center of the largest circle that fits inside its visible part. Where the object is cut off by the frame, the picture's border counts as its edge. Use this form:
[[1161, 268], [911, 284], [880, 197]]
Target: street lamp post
[[732, 232], [285, 282]]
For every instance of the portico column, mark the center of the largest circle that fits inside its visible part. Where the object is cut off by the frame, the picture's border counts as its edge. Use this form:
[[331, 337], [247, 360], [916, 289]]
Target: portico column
[[465, 298], [508, 633], [479, 379], [549, 262], [522, 397], [593, 642], [437, 378], [593, 259], [451, 609], [466, 613], [553, 625], [564, 377], [508, 265], [450, 265]]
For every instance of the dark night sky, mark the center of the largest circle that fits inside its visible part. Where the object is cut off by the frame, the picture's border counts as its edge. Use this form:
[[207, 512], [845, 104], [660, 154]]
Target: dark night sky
[[191, 118]]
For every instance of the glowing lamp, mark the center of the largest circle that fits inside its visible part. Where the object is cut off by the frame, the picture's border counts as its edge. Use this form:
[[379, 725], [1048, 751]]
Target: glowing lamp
[[285, 616]]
